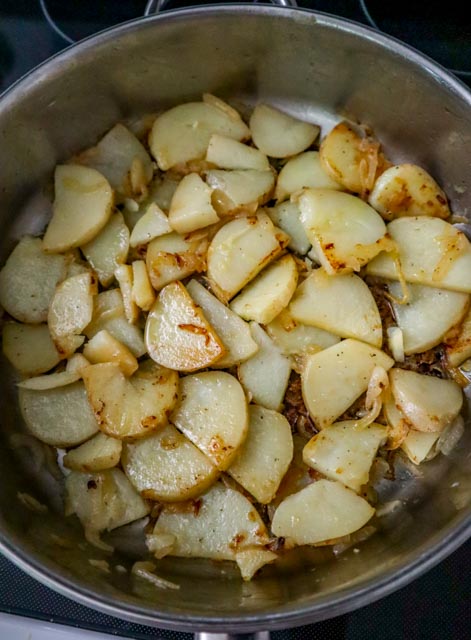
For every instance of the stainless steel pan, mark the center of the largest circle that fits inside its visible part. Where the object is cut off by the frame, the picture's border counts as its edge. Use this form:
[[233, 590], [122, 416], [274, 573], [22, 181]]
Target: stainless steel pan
[[315, 66]]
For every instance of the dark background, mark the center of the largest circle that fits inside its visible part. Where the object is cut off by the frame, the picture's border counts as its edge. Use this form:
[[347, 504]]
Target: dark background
[[436, 606]]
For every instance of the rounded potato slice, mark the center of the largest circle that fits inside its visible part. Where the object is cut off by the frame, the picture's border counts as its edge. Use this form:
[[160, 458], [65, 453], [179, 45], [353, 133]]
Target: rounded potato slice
[[99, 453], [177, 334], [61, 416], [239, 190], [191, 206], [71, 308], [152, 224], [50, 381], [108, 249], [128, 408], [82, 206], [418, 444], [103, 347], [295, 338], [227, 153], [168, 467], [213, 414], [29, 348], [303, 171]]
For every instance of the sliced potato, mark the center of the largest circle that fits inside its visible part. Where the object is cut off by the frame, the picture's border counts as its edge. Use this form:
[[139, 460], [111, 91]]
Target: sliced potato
[[278, 134], [256, 238], [62, 416], [213, 414], [428, 315], [178, 335], [183, 132], [76, 363], [227, 153], [317, 303], [68, 345], [29, 279], [396, 343], [334, 378], [265, 375], [322, 511], [152, 224], [82, 206], [418, 444], [142, 292], [295, 338], [345, 231], [345, 451], [428, 403], [398, 425], [458, 343], [162, 189], [269, 293], [234, 333], [99, 453], [50, 381], [266, 454], [103, 347], [124, 275], [108, 249], [303, 171], [29, 348], [250, 561], [431, 252], [103, 500], [172, 257], [352, 158], [287, 217], [71, 308], [408, 190], [168, 467], [191, 206], [240, 190]]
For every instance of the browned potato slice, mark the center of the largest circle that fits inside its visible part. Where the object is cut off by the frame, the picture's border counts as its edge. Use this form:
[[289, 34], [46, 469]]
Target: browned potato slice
[[82, 206], [71, 308], [129, 408], [29, 348], [213, 415], [295, 338], [108, 249], [240, 190], [124, 275], [458, 343], [103, 347], [250, 561], [168, 467], [398, 425], [152, 224], [68, 345], [99, 453], [418, 444], [177, 334], [191, 206], [29, 279], [303, 171], [278, 134], [142, 292]]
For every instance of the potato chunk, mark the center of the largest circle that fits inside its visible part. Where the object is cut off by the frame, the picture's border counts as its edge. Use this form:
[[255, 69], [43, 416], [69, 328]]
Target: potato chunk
[[297, 339], [278, 134], [152, 224], [108, 249], [287, 217], [142, 292], [82, 206], [71, 308], [227, 153], [418, 444], [168, 467], [29, 348], [303, 171], [177, 335], [322, 511], [99, 453], [213, 414], [103, 347], [191, 206], [129, 408], [240, 190], [458, 343]]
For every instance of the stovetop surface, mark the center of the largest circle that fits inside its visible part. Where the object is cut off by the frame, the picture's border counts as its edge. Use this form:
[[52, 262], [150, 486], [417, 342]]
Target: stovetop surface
[[437, 605]]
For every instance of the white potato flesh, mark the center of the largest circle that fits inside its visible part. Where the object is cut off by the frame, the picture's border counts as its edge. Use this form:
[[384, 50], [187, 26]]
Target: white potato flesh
[[345, 451], [77, 266], [278, 134], [320, 512], [108, 249], [62, 417], [191, 206], [408, 190], [82, 206], [287, 217], [342, 305], [250, 561], [227, 153], [142, 292], [152, 224], [398, 425], [458, 344], [76, 363], [178, 335], [265, 375], [68, 345], [431, 252], [172, 257], [115, 156], [166, 466], [428, 315], [396, 343], [124, 275], [103, 347], [71, 308], [334, 378], [99, 453], [428, 403], [239, 190], [418, 444], [183, 132], [345, 231], [224, 524], [103, 500], [295, 338], [131, 408], [256, 239], [302, 172], [234, 333], [50, 381], [266, 454], [29, 279], [212, 413], [269, 293], [29, 348]]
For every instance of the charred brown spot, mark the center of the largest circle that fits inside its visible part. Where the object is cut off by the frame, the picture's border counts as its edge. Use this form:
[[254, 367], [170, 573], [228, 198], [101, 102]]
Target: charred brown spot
[[193, 328], [91, 484], [276, 545], [329, 245], [149, 421], [236, 541], [441, 199]]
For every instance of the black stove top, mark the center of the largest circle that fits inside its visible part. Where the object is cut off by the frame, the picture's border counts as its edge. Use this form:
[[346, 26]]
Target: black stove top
[[437, 605]]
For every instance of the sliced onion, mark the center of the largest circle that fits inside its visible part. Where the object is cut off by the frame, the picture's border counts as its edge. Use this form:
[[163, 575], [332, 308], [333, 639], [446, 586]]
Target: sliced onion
[[450, 436], [145, 570]]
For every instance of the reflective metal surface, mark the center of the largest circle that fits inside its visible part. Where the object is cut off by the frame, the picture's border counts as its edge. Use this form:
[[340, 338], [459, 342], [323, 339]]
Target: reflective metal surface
[[314, 66]]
